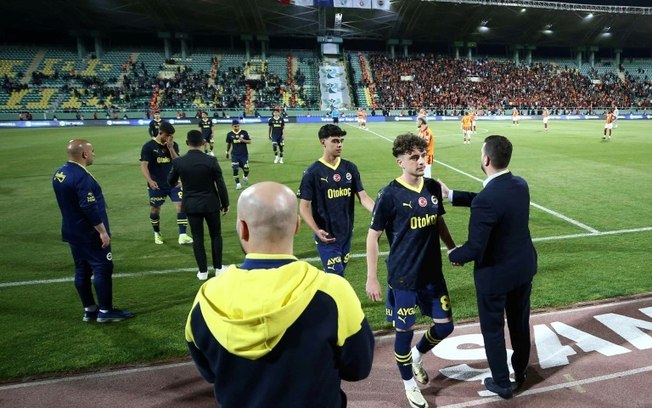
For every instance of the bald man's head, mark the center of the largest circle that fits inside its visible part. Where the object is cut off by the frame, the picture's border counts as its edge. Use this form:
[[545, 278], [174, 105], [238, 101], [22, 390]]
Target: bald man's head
[[80, 151], [269, 211]]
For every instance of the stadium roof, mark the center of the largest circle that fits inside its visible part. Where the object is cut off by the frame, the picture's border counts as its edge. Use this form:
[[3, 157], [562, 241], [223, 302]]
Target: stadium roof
[[628, 24]]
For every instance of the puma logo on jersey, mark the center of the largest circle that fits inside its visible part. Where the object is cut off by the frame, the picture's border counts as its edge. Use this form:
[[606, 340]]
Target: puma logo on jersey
[[325, 179], [408, 204]]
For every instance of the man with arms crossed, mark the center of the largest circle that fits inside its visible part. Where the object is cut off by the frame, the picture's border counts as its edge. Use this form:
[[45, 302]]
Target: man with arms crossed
[[410, 209]]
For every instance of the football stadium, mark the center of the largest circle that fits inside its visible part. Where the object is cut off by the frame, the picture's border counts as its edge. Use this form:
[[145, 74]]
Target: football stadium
[[569, 83]]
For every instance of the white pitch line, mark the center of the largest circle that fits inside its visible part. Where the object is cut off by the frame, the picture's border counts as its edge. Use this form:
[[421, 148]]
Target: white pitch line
[[534, 391], [535, 205], [311, 259]]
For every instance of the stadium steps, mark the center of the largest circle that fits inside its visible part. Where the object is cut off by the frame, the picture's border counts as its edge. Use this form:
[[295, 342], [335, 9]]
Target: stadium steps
[[36, 61]]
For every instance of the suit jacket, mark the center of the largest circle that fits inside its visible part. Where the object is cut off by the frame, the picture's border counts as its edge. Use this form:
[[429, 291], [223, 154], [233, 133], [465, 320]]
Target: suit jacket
[[499, 238], [204, 190]]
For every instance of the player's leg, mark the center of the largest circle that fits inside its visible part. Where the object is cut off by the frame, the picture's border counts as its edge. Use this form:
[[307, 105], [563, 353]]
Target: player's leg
[[235, 166], [275, 149], [281, 147], [156, 200], [244, 164], [400, 308], [83, 284], [176, 195], [101, 261], [196, 222], [214, 222], [434, 302]]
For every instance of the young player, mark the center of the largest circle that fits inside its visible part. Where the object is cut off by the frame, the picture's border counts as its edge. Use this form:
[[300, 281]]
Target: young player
[[236, 143], [467, 127], [515, 116], [327, 192], [426, 134], [473, 124], [155, 163], [608, 125], [411, 210], [616, 112], [276, 130], [546, 115], [206, 127], [154, 125]]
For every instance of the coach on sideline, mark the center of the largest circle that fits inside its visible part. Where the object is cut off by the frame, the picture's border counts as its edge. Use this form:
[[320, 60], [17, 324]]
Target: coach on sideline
[[276, 331], [85, 227]]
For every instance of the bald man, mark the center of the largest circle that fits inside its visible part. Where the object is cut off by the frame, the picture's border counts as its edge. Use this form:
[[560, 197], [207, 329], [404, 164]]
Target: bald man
[[85, 227], [277, 331]]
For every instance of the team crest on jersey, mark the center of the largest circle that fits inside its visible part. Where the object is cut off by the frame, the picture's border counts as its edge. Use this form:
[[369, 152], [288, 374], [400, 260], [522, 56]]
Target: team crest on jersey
[[433, 199], [109, 256], [423, 202], [348, 176], [336, 177]]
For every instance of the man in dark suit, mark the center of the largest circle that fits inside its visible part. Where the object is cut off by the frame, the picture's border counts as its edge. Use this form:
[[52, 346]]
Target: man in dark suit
[[204, 196], [500, 244]]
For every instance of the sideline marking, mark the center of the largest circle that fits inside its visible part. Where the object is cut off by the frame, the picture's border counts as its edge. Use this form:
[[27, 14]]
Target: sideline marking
[[534, 391], [380, 340], [535, 205], [312, 259]]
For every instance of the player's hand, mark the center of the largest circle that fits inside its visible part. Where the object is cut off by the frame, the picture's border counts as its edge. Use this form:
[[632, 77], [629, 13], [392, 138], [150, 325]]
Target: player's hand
[[225, 210], [106, 240], [444, 189], [325, 237], [153, 185], [227, 155], [373, 289], [449, 255]]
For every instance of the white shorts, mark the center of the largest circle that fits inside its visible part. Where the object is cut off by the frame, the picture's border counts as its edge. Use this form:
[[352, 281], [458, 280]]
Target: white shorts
[[545, 120], [473, 123], [608, 125], [468, 133]]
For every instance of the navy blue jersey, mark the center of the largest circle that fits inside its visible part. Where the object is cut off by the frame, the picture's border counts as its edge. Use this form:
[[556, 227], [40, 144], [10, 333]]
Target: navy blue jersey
[[237, 147], [154, 125], [332, 191], [409, 218], [159, 161], [276, 126], [81, 202], [206, 127]]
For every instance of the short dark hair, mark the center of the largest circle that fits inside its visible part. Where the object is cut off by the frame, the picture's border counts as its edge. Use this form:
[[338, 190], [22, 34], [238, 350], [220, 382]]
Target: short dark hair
[[499, 150], [408, 142], [194, 138], [166, 127], [235, 122], [329, 130]]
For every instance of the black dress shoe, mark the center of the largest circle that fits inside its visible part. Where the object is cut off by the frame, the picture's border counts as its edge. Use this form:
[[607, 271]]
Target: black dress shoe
[[503, 392], [519, 381]]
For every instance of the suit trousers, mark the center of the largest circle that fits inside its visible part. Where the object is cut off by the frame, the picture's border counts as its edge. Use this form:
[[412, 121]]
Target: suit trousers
[[491, 309], [196, 222]]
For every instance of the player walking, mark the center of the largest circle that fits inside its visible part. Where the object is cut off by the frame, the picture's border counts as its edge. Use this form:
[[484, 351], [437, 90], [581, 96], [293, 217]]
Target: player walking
[[276, 130], [206, 127], [236, 145]]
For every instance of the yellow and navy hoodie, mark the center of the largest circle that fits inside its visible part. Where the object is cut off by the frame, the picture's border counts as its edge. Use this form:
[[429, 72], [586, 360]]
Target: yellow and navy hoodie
[[278, 332]]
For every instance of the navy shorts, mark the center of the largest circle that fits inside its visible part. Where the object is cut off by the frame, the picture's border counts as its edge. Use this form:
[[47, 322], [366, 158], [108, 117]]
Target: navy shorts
[[335, 256], [157, 197], [278, 141], [401, 305], [239, 162]]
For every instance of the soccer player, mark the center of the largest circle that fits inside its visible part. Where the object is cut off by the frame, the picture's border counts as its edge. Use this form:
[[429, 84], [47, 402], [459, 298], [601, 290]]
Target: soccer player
[[155, 125], [616, 112], [426, 134], [327, 192], [362, 118], [546, 115], [410, 209], [155, 163], [473, 124], [608, 125], [206, 127], [236, 146], [276, 129], [515, 116], [85, 227], [467, 127], [335, 114]]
